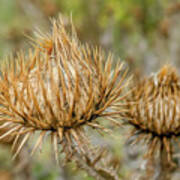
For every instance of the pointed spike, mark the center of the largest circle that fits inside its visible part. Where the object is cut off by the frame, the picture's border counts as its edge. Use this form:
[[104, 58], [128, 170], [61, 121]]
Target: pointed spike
[[24, 140], [38, 142], [55, 144]]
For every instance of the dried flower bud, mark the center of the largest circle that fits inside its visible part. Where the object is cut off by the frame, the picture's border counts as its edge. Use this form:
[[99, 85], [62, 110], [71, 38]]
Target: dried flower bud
[[154, 110], [58, 88]]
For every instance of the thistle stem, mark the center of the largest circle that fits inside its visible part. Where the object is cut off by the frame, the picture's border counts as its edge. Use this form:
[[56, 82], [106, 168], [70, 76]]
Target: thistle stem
[[166, 167]]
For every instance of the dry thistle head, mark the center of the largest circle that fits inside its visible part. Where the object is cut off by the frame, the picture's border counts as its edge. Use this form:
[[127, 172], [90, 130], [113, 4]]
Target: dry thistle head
[[57, 89], [154, 111]]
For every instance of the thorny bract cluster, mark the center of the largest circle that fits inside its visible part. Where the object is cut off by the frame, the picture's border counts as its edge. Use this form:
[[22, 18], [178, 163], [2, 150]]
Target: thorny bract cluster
[[61, 86]]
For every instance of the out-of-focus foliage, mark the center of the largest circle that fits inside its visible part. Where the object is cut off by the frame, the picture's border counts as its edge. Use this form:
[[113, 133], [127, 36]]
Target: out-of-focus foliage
[[118, 25], [145, 33]]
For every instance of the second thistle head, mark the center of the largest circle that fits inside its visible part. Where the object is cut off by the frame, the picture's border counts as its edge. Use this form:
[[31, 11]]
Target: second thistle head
[[154, 110]]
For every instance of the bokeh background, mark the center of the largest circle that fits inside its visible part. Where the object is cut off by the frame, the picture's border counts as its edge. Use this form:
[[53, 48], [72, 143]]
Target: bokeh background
[[143, 33]]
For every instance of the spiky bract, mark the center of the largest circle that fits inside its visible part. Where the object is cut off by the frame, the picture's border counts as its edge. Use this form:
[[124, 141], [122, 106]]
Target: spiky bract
[[59, 87], [154, 111]]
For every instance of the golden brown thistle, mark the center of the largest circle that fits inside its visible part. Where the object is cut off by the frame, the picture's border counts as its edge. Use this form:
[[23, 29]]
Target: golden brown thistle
[[154, 111], [57, 89]]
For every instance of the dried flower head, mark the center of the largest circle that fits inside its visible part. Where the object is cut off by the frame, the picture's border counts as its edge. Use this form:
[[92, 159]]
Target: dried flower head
[[154, 111], [57, 89]]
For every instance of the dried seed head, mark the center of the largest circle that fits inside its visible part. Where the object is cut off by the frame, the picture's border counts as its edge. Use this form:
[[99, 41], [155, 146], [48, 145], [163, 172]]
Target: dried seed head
[[154, 110], [58, 88]]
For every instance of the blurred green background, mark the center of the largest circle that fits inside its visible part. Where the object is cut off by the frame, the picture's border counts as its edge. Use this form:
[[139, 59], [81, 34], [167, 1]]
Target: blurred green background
[[144, 33]]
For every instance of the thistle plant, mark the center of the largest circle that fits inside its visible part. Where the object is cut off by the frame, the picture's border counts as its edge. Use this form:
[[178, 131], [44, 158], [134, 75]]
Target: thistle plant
[[57, 89], [154, 115]]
